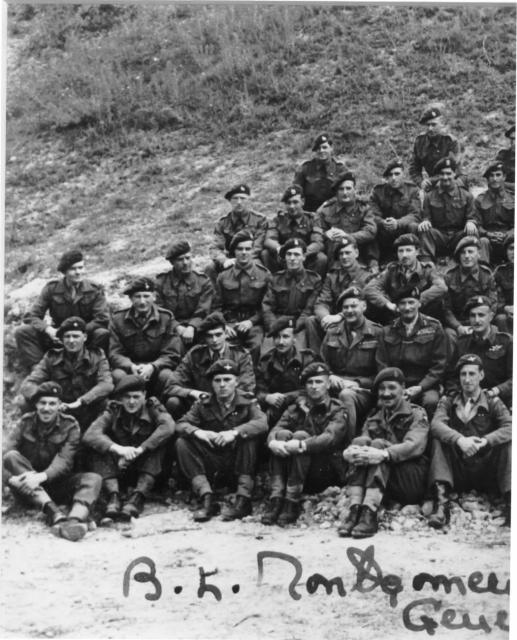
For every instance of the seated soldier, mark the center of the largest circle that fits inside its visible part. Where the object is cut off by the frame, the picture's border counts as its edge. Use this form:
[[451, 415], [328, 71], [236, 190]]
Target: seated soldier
[[503, 277], [128, 442], [494, 348], [279, 370], [190, 382], [294, 223], [186, 293], [349, 349], [494, 212], [471, 445], [72, 295], [507, 157], [417, 344], [238, 295], [141, 338], [38, 464], [346, 272], [406, 271], [469, 278], [83, 374], [306, 445], [388, 458], [448, 213], [396, 208], [221, 433]]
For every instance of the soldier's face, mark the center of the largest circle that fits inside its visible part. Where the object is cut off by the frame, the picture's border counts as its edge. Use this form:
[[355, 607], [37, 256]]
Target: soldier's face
[[294, 205], [480, 318], [496, 179], [133, 401], [294, 258], [73, 341], [353, 310], [348, 256], [408, 309], [346, 192], [238, 202], [215, 338], [447, 177], [75, 273], [317, 387], [244, 252], [396, 177], [284, 340], [434, 126], [390, 393], [407, 255], [142, 301], [470, 379], [183, 264], [47, 408], [224, 385], [324, 151], [469, 257], [509, 252]]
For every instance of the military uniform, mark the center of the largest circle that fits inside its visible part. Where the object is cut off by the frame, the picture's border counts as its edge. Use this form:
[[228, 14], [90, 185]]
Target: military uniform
[[316, 178], [503, 277], [87, 301], [427, 150], [462, 285], [494, 211], [227, 226]]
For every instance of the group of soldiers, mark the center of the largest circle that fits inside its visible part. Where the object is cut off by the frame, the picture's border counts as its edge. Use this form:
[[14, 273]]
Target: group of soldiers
[[324, 341]]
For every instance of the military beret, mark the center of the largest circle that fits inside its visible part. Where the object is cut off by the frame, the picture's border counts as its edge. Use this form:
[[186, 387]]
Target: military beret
[[129, 383], [409, 291], [350, 292], [476, 301], [321, 139], [280, 325], [73, 323], [467, 241], [393, 165], [444, 163], [212, 321], [495, 166], [238, 189], [509, 239], [429, 114], [508, 133], [47, 390], [290, 192], [393, 374], [348, 175], [241, 236], [468, 358], [345, 241], [407, 239], [140, 284], [292, 243], [68, 259], [314, 369], [178, 249], [224, 366]]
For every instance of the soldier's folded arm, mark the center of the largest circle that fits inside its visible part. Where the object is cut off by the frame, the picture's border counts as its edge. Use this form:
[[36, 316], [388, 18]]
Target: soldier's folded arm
[[437, 289], [256, 425], [169, 357], [117, 357], [190, 422], [503, 421], [164, 426], [63, 462], [35, 315], [180, 380], [436, 373], [415, 440], [375, 290], [40, 373], [96, 436], [440, 428], [11, 441], [100, 311], [103, 384], [333, 435], [368, 231], [414, 215]]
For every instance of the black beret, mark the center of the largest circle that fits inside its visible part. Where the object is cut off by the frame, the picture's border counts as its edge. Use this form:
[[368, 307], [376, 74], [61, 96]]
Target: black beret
[[407, 239], [140, 284], [467, 241], [476, 301], [350, 292], [73, 323], [224, 366], [508, 132], [468, 358], [212, 321], [345, 241], [314, 369], [409, 291], [241, 236], [348, 175], [495, 166], [444, 163], [321, 139], [509, 239], [68, 259], [290, 192], [280, 325], [47, 389], [393, 165], [129, 383], [429, 114], [390, 373], [293, 243], [178, 249], [240, 189]]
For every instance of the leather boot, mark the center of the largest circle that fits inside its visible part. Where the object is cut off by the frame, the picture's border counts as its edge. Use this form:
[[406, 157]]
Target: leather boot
[[345, 528], [366, 524], [239, 510], [133, 507], [273, 510], [73, 529], [113, 507], [208, 509], [53, 514], [441, 513], [289, 514]]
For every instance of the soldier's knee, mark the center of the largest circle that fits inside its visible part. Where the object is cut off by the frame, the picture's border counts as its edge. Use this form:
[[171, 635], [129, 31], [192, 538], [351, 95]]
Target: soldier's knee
[[283, 434], [300, 435], [93, 480], [175, 407], [379, 443], [117, 375], [99, 337], [10, 460], [23, 332], [362, 441], [345, 395]]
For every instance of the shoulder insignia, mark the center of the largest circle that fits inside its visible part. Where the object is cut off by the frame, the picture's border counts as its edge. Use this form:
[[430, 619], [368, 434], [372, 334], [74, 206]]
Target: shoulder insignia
[[165, 312]]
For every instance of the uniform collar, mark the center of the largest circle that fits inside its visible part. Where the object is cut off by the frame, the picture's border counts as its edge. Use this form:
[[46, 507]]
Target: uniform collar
[[63, 357], [153, 315], [142, 415], [450, 192], [482, 400], [179, 277], [295, 275], [403, 409], [474, 273]]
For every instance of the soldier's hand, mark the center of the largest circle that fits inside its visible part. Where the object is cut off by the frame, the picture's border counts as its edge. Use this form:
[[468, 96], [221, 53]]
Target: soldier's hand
[[355, 454], [391, 224], [244, 326], [135, 369], [51, 332], [292, 447], [224, 437], [508, 309], [413, 392], [229, 262], [72, 405], [493, 392], [206, 436], [30, 480], [463, 330], [329, 320], [425, 225], [275, 399], [391, 306], [426, 184], [196, 394], [375, 456], [468, 445], [471, 228], [336, 382], [146, 371], [278, 448], [187, 334], [231, 334]]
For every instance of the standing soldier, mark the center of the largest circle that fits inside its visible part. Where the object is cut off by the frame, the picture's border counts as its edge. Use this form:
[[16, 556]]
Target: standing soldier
[[503, 277], [507, 157], [72, 295], [316, 176]]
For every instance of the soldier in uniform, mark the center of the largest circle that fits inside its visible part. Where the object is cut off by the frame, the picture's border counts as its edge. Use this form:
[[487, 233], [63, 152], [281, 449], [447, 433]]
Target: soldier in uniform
[[417, 344], [346, 272], [186, 293], [349, 349], [128, 442], [346, 214], [406, 271], [316, 176], [429, 147], [306, 445], [190, 380], [141, 338], [448, 213], [503, 277], [221, 433], [494, 212], [494, 348], [83, 373], [72, 295], [294, 223], [471, 445], [239, 292], [38, 464], [507, 157], [396, 208], [279, 370], [387, 458]]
